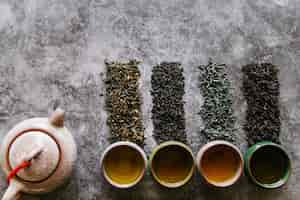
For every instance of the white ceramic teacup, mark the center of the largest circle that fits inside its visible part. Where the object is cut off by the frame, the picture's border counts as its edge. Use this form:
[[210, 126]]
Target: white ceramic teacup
[[123, 164], [220, 163]]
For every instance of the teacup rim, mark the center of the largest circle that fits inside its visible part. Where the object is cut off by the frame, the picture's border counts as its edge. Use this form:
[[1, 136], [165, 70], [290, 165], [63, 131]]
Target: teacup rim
[[254, 148], [164, 145], [215, 143], [133, 146]]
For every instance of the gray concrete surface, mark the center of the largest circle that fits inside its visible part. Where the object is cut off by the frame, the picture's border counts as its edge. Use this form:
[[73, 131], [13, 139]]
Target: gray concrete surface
[[52, 53]]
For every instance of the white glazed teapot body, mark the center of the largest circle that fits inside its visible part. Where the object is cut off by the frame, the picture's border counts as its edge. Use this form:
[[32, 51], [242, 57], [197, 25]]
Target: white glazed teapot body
[[48, 145]]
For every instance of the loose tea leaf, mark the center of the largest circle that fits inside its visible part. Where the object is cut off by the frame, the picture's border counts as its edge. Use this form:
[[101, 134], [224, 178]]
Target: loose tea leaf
[[217, 111], [123, 102], [261, 90], [168, 107]]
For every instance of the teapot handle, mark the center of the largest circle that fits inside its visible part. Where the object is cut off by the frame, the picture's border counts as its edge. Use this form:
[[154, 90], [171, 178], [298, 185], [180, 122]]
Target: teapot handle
[[13, 191]]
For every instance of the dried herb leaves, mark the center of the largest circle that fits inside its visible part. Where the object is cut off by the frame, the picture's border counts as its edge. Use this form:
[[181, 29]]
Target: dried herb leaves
[[123, 102], [168, 107], [217, 111], [261, 90]]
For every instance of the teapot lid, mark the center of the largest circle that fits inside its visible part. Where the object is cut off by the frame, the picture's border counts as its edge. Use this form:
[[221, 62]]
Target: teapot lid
[[44, 164]]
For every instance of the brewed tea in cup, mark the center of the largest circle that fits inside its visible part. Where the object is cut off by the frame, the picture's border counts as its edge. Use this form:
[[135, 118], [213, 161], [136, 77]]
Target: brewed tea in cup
[[220, 163], [172, 164], [268, 165], [123, 164]]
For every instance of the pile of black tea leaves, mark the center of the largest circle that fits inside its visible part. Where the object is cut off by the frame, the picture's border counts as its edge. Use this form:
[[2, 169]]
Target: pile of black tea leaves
[[123, 102], [261, 91], [167, 91], [217, 111]]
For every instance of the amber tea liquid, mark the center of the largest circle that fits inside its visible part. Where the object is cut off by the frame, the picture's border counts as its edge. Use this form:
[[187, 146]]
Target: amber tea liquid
[[172, 164], [123, 165], [220, 163]]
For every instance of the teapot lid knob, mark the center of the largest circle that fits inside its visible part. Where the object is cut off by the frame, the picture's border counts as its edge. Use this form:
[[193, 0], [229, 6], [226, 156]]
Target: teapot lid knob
[[57, 118]]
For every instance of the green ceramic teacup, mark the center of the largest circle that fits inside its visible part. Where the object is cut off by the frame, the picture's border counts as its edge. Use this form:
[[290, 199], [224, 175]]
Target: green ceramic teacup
[[172, 164], [267, 164]]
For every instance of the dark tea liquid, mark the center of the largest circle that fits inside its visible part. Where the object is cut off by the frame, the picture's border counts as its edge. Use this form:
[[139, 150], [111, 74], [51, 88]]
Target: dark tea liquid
[[123, 165], [268, 165], [220, 163], [172, 164]]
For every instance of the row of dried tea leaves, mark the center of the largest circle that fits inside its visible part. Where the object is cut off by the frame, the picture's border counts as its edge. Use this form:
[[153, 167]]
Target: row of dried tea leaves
[[216, 112], [261, 90], [168, 107], [123, 102]]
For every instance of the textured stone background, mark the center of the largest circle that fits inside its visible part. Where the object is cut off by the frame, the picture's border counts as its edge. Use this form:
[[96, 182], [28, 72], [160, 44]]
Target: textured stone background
[[52, 53]]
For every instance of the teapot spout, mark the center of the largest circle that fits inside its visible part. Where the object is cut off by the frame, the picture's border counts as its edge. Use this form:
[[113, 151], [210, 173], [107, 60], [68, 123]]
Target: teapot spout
[[57, 118], [13, 192]]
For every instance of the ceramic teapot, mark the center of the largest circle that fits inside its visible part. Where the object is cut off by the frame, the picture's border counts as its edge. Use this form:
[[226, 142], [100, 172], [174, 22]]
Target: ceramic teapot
[[37, 156]]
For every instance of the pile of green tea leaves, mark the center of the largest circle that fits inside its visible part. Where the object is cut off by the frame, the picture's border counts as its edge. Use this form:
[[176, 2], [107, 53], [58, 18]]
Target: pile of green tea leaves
[[123, 101], [168, 106], [216, 112], [261, 90]]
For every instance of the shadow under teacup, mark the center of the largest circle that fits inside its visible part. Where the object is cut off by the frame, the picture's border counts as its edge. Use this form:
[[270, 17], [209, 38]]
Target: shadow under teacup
[[172, 164], [268, 165], [220, 163], [123, 164]]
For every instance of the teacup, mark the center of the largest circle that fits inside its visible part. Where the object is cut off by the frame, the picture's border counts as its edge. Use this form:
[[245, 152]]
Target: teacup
[[123, 164], [172, 164], [220, 163], [268, 165]]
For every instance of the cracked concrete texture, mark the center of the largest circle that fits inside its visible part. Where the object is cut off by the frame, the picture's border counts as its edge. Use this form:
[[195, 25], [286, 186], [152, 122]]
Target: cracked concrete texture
[[52, 53]]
